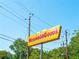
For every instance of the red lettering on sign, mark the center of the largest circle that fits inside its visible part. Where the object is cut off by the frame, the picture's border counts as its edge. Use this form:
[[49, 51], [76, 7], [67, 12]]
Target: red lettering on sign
[[43, 35]]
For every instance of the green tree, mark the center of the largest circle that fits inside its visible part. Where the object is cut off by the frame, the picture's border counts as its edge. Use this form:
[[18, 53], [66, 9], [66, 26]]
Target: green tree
[[35, 53], [74, 46], [58, 53], [20, 49], [5, 55], [46, 55], [19, 46]]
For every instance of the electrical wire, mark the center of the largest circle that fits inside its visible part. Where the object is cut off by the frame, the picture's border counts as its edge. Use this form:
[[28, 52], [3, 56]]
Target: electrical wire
[[14, 15], [43, 21], [8, 7], [7, 36], [25, 8], [6, 39], [36, 25], [11, 19], [16, 21], [13, 12]]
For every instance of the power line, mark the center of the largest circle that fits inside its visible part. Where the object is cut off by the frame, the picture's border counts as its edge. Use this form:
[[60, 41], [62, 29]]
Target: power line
[[15, 21], [43, 21], [8, 7], [6, 39], [12, 14], [31, 13], [21, 5], [25, 18], [10, 18], [7, 36], [25, 8]]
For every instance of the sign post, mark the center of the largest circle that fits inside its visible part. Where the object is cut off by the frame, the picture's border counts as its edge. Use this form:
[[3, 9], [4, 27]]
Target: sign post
[[41, 52]]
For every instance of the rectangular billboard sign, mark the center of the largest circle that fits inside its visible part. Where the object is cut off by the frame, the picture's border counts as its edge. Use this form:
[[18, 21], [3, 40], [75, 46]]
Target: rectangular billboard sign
[[45, 36]]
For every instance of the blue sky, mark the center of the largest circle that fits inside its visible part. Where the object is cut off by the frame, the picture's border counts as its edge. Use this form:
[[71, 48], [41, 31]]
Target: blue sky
[[53, 12]]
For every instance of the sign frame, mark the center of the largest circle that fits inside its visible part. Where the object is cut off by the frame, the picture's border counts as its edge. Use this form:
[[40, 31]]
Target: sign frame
[[44, 36]]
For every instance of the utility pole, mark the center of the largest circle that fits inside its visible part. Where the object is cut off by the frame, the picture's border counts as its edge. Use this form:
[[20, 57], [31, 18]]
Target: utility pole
[[41, 51], [63, 44], [63, 49], [66, 44], [29, 28]]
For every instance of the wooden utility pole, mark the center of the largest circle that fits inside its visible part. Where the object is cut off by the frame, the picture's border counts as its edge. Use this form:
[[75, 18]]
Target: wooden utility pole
[[29, 28], [66, 44], [63, 44]]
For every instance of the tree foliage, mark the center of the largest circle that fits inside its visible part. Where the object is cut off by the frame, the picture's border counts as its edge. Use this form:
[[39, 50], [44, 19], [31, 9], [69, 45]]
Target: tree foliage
[[74, 46], [5, 55], [20, 46]]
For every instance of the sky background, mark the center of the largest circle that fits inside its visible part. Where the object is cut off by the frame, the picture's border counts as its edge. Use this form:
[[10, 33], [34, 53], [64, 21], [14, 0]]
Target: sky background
[[14, 12]]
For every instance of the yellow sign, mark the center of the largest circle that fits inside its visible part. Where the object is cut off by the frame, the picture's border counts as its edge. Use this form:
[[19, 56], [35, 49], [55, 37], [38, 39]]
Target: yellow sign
[[45, 36]]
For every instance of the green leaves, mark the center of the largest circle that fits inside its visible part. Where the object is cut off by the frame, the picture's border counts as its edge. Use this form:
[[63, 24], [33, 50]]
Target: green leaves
[[74, 46], [20, 48], [6, 55]]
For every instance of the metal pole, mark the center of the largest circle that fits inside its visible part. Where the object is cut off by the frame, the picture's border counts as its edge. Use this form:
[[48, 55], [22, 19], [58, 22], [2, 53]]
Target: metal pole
[[41, 51], [29, 23], [66, 44], [29, 29]]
